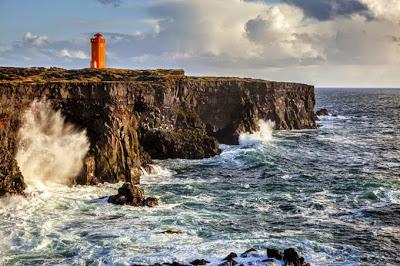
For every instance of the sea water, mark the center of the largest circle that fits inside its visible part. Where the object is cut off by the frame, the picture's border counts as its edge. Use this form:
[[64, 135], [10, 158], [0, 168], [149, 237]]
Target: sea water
[[332, 193]]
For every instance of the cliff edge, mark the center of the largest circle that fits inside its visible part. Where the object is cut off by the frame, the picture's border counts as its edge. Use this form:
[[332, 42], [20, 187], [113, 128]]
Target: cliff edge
[[133, 116]]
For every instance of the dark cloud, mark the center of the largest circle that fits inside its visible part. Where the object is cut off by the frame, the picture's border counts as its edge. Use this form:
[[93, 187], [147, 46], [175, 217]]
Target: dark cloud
[[114, 3], [329, 9]]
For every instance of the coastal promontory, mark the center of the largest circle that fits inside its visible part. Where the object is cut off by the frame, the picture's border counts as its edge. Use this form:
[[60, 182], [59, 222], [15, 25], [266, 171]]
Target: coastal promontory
[[134, 116]]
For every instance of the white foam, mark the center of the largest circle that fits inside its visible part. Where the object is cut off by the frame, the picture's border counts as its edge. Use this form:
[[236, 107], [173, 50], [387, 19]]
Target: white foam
[[264, 134], [157, 174], [160, 171], [392, 196], [50, 151]]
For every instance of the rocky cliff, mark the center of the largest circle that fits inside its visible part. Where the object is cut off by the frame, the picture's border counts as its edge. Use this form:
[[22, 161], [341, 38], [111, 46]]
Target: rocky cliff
[[133, 116]]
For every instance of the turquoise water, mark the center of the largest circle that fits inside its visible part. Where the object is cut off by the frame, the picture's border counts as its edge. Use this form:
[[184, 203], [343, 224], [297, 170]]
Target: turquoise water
[[332, 193]]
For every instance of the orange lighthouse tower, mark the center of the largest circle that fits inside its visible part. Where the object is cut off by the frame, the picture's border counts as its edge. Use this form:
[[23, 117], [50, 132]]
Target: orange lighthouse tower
[[98, 51]]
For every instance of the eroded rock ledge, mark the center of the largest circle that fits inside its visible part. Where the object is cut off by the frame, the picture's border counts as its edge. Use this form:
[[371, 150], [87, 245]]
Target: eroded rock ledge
[[133, 116]]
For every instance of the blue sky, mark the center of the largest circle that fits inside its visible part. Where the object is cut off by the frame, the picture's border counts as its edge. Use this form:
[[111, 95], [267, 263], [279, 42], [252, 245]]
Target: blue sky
[[322, 42]]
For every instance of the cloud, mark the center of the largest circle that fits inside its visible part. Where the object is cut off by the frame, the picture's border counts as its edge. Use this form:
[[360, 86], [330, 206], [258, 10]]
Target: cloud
[[384, 9], [39, 50], [278, 31], [250, 38], [34, 39], [74, 54]]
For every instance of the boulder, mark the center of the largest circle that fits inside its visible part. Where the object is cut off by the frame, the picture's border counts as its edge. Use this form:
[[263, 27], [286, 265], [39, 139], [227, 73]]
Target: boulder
[[248, 252], [274, 253], [231, 256], [132, 195], [322, 111], [151, 202], [200, 262], [292, 258]]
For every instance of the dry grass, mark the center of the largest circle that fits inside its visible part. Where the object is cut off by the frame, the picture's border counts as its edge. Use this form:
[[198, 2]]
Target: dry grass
[[53, 74]]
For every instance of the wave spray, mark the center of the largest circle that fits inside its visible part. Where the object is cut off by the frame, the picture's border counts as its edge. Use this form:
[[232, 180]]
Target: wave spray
[[50, 150], [262, 135]]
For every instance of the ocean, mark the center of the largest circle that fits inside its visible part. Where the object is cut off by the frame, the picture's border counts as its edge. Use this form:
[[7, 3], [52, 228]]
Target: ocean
[[332, 193]]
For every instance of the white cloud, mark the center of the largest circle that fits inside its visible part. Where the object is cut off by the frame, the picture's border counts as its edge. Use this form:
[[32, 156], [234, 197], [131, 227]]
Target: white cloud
[[244, 38], [35, 39], [280, 35], [74, 54], [384, 9]]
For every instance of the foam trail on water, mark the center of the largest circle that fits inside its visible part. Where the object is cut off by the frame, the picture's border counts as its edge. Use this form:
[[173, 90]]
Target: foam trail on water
[[160, 171], [263, 135], [50, 150]]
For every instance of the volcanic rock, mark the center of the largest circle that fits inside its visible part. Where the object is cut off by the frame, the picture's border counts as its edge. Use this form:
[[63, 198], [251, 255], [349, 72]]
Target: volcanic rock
[[151, 202], [322, 112], [231, 256], [11, 179], [130, 194], [274, 253], [291, 258], [200, 262], [171, 232], [248, 252]]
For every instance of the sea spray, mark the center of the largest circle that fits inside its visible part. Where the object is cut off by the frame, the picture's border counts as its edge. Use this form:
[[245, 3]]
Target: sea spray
[[156, 174], [264, 134], [50, 150]]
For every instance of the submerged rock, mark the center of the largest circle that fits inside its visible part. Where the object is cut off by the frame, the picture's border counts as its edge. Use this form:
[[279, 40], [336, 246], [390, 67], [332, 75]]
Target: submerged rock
[[248, 252], [322, 111], [132, 195], [200, 262], [171, 232]]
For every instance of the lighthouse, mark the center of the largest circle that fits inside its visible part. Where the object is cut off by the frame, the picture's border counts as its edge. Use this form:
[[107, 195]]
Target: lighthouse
[[98, 43]]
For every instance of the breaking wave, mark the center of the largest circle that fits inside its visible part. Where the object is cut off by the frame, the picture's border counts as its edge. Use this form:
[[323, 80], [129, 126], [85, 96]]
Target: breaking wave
[[264, 134], [50, 150]]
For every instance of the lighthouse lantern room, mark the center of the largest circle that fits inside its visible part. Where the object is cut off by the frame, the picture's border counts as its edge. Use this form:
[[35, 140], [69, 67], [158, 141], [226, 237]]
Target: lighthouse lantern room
[[98, 43]]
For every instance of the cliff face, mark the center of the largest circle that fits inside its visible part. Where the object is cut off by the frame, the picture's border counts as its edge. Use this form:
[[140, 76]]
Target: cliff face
[[134, 116], [230, 106]]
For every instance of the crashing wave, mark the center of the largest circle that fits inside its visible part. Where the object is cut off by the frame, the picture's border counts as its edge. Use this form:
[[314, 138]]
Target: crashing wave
[[264, 134], [50, 150]]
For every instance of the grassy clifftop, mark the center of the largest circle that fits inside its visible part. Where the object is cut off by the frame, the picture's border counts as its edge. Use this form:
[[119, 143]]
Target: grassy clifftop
[[54, 74]]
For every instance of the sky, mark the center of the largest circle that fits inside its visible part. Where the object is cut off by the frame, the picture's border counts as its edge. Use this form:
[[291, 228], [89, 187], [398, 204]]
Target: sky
[[327, 43]]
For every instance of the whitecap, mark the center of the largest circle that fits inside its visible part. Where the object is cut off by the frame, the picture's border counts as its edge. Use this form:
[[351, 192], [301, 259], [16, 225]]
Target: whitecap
[[264, 134]]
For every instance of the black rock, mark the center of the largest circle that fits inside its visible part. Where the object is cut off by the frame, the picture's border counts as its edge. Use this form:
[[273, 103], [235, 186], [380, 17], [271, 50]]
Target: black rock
[[292, 258], [200, 262], [247, 252], [151, 202], [273, 253], [322, 111], [174, 264], [132, 195], [269, 261], [231, 256], [171, 232]]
